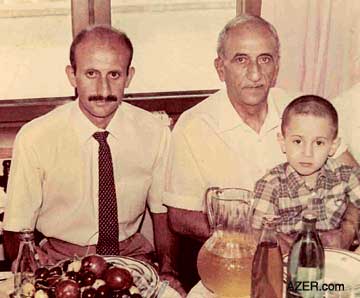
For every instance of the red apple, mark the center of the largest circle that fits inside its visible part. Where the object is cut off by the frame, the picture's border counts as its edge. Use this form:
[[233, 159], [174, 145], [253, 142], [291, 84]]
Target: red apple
[[95, 264], [118, 278], [67, 289]]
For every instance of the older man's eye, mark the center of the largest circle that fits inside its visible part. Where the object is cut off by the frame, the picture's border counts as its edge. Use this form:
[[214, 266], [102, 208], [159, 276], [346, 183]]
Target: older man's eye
[[265, 59], [240, 59]]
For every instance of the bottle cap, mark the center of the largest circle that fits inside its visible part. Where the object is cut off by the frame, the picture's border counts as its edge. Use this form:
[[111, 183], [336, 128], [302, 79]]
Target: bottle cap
[[27, 235], [271, 220], [309, 216]]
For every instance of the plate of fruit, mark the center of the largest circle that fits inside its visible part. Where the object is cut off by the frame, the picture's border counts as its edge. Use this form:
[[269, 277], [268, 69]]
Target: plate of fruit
[[95, 276]]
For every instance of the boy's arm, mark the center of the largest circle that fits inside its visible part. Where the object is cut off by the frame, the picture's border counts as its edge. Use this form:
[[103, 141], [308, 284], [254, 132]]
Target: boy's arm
[[265, 196]]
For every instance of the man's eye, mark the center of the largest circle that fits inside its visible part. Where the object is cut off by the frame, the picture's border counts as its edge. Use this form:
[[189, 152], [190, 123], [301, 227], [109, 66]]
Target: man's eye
[[320, 143], [114, 75], [240, 60], [91, 74], [264, 60], [297, 142]]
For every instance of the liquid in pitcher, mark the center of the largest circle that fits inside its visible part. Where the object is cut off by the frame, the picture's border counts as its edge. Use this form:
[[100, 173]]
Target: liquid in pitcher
[[224, 275]]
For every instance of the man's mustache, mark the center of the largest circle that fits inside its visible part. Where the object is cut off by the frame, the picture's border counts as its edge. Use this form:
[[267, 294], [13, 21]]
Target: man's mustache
[[102, 98]]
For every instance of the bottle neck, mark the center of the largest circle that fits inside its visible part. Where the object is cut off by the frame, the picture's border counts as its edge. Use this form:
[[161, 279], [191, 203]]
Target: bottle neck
[[309, 226], [268, 235]]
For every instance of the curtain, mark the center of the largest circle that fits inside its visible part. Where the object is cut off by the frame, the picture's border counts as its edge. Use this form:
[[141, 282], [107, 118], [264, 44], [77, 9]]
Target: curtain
[[320, 44]]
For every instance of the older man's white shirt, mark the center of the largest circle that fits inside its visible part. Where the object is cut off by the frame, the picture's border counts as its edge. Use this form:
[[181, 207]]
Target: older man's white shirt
[[212, 146]]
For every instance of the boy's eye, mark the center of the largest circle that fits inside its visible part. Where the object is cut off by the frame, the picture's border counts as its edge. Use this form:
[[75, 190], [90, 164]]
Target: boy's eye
[[297, 142], [319, 143]]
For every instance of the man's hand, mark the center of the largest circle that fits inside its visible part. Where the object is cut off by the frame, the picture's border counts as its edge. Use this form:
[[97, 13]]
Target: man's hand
[[48, 255], [173, 282]]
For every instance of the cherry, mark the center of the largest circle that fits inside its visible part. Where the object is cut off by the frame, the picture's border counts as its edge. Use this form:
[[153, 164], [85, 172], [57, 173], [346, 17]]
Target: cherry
[[41, 273], [88, 278], [102, 291], [89, 293], [55, 271]]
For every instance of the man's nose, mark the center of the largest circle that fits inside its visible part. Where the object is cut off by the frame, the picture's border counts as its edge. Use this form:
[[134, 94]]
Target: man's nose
[[103, 87], [253, 71]]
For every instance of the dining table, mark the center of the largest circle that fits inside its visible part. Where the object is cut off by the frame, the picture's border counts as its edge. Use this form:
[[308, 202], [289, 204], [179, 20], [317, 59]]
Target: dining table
[[341, 267]]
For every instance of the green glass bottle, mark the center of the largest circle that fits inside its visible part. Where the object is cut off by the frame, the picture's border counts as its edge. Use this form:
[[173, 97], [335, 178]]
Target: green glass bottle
[[305, 270]]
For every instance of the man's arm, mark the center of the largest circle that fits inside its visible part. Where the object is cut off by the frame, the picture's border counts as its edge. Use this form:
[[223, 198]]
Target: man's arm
[[346, 158], [11, 244], [166, 245], [349, 224], [189, 223]]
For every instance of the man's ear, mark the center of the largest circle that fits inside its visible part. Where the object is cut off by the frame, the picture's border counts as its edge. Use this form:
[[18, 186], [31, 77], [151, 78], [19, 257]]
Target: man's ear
[[219, 65], [281, 141], [334, 146], [130, 75], [70, 72]]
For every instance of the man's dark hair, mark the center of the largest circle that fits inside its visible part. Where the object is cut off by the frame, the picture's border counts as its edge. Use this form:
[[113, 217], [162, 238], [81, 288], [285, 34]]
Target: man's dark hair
[[310, 105], [102, 32]]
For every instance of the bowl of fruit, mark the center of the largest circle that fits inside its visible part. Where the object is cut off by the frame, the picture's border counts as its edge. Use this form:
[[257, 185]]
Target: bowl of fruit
[[95, 276]]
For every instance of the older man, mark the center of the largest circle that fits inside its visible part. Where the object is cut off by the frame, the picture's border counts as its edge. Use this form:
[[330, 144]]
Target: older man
[[229, 139], [83, 173]]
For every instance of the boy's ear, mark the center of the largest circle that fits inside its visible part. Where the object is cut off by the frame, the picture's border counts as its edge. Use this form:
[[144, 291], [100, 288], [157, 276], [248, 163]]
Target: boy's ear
[[334, 146], [281, 141]]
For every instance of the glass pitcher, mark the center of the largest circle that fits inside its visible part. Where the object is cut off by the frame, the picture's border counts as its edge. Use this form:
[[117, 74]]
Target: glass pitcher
[[224, 261]]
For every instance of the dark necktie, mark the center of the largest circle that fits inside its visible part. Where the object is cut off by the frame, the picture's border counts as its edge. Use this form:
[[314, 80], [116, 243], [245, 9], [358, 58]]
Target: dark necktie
[[108, 243]]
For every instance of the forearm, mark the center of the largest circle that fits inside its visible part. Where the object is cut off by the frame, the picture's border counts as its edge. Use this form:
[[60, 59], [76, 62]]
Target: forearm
[[166, 242], [11, 244], [189, 223]]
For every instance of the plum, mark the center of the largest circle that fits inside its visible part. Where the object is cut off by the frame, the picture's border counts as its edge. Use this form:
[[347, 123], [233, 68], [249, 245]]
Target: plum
[[67, 289], [118, 278]]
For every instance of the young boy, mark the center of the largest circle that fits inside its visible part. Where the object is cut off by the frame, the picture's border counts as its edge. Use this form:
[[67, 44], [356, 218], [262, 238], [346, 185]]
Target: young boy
[[310, 179]]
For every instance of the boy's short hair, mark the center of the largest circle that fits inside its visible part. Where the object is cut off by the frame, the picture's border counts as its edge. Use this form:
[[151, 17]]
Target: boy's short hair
[[310, 105]]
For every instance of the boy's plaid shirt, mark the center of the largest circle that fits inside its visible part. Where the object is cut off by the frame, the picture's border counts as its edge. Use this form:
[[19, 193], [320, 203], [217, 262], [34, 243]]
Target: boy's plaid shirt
[[283, 192]]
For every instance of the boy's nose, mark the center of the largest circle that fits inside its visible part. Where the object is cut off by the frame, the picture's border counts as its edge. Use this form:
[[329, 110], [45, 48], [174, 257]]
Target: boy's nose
[[308, 150]]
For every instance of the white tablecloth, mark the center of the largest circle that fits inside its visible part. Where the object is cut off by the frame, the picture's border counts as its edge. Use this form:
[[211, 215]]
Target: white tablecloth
[[199, 291]]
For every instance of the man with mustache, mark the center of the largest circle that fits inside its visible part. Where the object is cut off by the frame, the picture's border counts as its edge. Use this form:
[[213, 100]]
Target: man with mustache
[[230, 139], [55, 182]]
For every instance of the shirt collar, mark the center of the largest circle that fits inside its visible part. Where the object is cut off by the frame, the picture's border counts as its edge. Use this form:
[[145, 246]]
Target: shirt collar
[[229, 118], [85, 128], [295, 181]]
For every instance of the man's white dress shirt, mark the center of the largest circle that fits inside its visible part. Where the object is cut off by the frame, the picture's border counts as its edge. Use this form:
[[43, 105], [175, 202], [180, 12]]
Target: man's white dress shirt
[[53, 182]]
